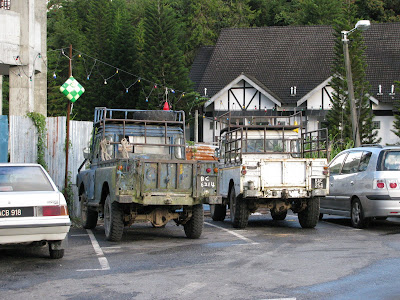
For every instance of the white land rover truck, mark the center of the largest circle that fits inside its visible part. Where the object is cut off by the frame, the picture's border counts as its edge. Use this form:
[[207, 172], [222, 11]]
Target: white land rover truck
[[268, 162]]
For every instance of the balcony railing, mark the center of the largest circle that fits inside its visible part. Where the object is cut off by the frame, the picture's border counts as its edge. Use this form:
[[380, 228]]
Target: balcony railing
[[5, 4]]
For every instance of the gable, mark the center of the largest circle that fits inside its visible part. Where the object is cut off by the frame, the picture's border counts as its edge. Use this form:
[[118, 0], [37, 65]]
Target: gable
[[251, 95]]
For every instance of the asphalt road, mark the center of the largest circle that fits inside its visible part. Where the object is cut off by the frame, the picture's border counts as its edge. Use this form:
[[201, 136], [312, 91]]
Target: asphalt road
[[268, 260]]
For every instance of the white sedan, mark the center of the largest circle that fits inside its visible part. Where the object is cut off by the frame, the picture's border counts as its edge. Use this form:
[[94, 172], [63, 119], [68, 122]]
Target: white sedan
[[32, 209]]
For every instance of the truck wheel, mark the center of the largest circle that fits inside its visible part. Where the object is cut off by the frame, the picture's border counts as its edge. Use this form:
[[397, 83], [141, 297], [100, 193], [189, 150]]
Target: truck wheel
[[113, 220], [308, 217], [88, 216], [56, 254], [194, 227], [238, 209], [278, 216], [218, 212], [357, 215]]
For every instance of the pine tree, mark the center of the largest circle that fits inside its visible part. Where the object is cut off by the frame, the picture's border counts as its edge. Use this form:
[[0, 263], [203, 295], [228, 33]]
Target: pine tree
[[316, 12], [338, 117], [162, 59]]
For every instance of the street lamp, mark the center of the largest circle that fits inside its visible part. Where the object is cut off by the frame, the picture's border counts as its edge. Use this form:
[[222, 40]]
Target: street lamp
[[360, 25]]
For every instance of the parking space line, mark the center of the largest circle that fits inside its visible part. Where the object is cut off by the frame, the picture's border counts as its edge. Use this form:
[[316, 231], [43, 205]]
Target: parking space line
[[281, 299], [340, 225], [102, 259], [247, 240]]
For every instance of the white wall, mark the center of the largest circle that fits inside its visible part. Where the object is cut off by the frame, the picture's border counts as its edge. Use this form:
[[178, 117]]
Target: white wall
[[314, 102], [385, 132]]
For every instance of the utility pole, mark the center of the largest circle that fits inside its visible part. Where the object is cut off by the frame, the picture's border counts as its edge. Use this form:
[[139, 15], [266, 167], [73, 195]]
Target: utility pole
[[67, 137], [360, 25], [353, 110]]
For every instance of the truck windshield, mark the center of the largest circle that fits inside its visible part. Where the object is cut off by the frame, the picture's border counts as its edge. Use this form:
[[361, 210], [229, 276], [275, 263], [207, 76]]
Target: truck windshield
[[272, 145]]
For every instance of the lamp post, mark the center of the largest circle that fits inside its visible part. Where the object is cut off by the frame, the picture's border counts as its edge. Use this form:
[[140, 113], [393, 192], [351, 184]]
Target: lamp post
[[360, 25]]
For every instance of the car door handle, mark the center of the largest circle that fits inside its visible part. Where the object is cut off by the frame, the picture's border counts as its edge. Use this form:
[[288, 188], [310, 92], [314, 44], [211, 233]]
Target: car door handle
[[352, 182]]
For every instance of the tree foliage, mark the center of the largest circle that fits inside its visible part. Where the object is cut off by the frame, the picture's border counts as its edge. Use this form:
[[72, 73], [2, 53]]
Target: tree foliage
[[339, 116], [396, 111], [157, 40]]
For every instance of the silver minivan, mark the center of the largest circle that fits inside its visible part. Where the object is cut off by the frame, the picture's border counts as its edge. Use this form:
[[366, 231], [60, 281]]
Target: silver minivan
[[364, 184]]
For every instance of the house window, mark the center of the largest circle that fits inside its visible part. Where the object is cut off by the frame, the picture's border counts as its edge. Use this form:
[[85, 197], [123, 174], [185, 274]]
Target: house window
[[211, 125], [376, 124], [5, 4]]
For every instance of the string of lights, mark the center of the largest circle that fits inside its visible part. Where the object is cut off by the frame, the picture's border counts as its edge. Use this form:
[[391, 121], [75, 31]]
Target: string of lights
[[95, 66]]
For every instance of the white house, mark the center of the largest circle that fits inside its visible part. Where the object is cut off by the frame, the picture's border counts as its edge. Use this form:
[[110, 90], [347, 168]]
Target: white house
[[282, 70]]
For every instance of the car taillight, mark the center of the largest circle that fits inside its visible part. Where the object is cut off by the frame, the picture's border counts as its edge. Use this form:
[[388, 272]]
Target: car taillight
[[215, 170], [208, 170], [393, 185], [380, 184], [54, 210]]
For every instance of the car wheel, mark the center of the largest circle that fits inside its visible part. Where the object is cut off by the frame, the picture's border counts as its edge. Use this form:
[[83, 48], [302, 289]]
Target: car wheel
[[308, 217], [278, 216], [238, 209], [88, 216], [113, 220], [194, 227], [56, 254], [357, 215], [218, 212]]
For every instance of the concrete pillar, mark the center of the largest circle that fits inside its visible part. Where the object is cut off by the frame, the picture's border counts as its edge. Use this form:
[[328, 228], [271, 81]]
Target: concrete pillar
[[41, 78], [28, 79], [21, 91]]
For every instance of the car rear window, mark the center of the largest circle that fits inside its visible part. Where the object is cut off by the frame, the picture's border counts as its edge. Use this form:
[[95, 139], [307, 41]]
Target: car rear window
[[23, 178], [389, 161]]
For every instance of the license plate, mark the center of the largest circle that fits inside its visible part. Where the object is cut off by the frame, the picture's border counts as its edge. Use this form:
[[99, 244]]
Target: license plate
[[207, 182], [318, 183], [12, 212]]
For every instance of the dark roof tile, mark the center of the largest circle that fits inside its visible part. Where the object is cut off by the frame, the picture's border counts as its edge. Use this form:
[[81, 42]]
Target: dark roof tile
[[301, 56]]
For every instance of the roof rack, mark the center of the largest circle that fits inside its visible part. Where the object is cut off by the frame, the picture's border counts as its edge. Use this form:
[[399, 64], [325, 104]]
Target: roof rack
[[371, 145]]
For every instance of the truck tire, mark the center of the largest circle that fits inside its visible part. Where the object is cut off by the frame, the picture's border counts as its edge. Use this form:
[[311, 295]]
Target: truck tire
[[308, 217], [218, 212], [113, 220], [278, 216], [194, 227], [238, 209], [56, 254], [357, 215], [88, 216]]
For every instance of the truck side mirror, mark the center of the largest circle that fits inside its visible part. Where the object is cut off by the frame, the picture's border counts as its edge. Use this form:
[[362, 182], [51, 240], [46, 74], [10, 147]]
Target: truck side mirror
[[86, 153]]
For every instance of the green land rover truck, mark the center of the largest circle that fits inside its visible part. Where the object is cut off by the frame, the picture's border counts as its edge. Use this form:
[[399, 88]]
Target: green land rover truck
[[136, 170]]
